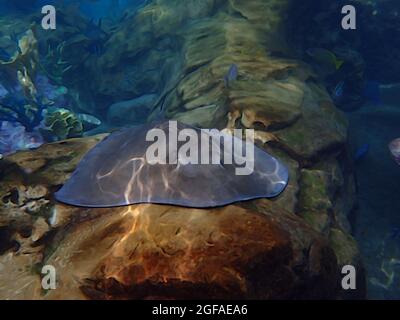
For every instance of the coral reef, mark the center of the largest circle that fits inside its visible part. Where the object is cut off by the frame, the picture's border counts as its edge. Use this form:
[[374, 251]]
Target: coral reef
[[14, 137], [63, 124], [33, 67]]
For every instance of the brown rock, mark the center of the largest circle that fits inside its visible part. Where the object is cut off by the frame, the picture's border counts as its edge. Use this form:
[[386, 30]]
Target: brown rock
[[254, 249], [321, 129], [149, 251]]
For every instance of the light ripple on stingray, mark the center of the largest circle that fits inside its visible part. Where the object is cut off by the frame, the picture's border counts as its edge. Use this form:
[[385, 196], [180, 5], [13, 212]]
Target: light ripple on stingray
[[115, 173]]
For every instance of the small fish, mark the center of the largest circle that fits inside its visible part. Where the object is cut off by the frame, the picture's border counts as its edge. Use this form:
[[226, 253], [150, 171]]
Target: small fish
[[338, 91], [325, 57], [88, 121], [361, 152], [231, 75], [394, 148]]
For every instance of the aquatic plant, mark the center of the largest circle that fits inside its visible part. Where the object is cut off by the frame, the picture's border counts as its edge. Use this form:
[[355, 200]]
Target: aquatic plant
[[20, 103], [28, 115], [14, 137], [53, 64]]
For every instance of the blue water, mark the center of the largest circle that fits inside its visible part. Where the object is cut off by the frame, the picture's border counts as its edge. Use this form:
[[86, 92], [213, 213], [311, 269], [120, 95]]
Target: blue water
[[91, 9]]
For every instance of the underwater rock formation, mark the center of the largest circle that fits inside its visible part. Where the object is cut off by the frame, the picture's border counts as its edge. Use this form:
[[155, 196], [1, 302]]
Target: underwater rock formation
[[292, 246], [149, 251], [130, 112]]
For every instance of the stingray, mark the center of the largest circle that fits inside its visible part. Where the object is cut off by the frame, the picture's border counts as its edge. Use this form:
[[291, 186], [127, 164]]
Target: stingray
[[117, 172]]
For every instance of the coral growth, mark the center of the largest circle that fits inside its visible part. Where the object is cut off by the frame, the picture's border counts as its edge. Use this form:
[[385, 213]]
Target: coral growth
[[14, 137], [63, 124]]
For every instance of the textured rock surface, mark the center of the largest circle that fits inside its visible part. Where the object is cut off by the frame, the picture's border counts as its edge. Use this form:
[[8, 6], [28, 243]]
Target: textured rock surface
[[129, 112], [256, 250]]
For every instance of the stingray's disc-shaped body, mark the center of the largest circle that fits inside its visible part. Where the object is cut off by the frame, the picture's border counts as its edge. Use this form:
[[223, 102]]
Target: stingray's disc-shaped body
[[116, 172]]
